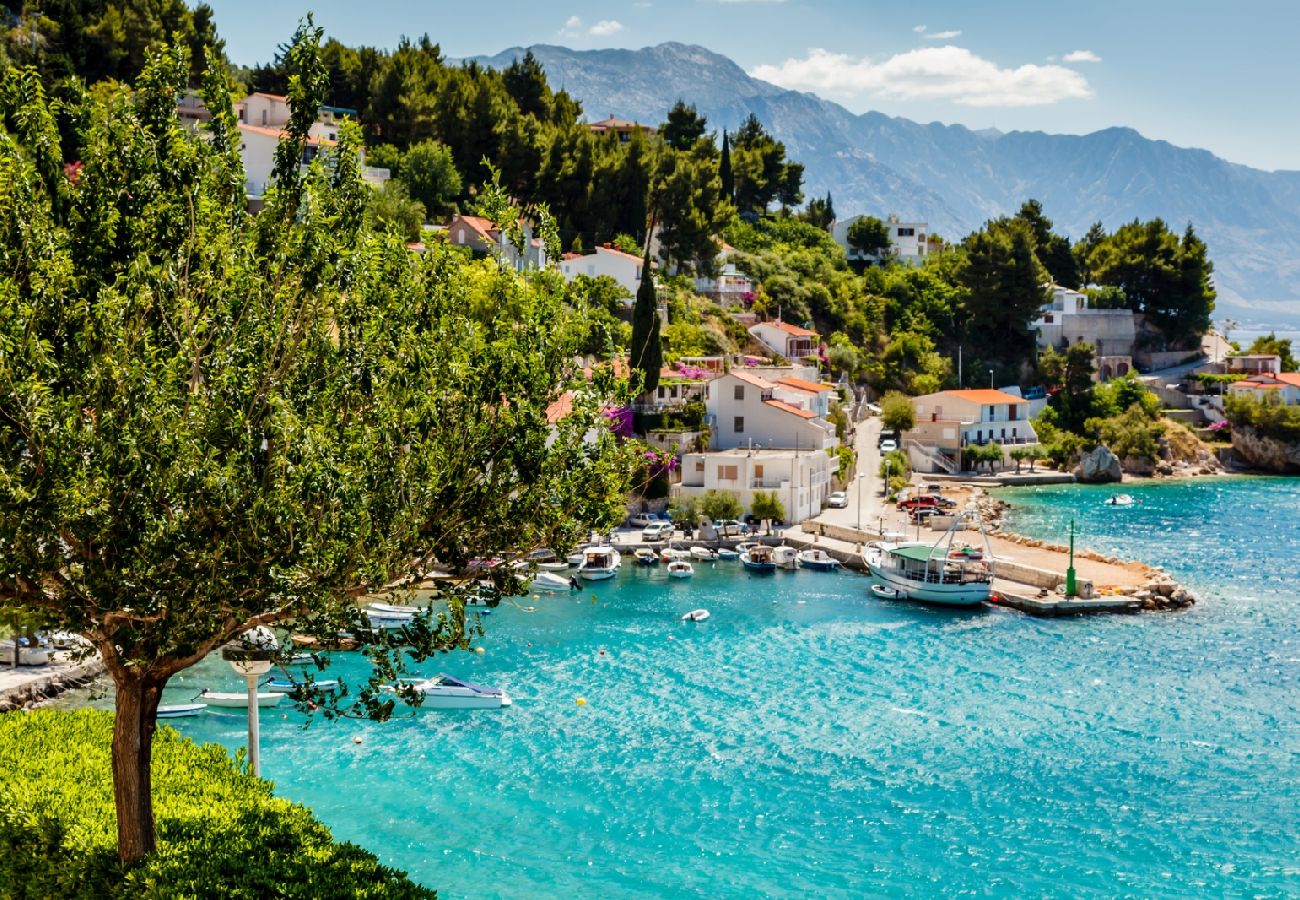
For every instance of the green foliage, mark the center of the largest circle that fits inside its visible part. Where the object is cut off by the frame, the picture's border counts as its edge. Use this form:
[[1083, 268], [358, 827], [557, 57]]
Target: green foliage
[[1052, 250], [430, 174], [221, 831], [975, 456], [869, 235], [762, 173], [1268, 417], [1069, 376], [846, 461], [895, 463], [685, 511], [390, 208], [1123, 393], [1272, 344], [1004, 281], [820, 213], [718, 505], [598, 330], [897, 412], [683, 126], [1134, 433], [766, 505], [1027, 454], [839, 418]]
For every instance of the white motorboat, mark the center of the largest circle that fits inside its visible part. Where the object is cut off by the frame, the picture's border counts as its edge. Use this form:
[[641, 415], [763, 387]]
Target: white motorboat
[[695, 615], [180, 710], [599, 563], [758, 558], [744, 546], [680, 568], [389, 611], [575, 558], [785, 557], [1120, 500], [818, 560], [728, 553], [446, 692], [239, 699], [703, 554], [549, 581], [668, 554], [284, 686], [947, 573], [301, 659], [646, 557], [556, 566]]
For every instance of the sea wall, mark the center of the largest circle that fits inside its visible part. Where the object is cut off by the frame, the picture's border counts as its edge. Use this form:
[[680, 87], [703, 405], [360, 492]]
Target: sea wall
[[36, 685]]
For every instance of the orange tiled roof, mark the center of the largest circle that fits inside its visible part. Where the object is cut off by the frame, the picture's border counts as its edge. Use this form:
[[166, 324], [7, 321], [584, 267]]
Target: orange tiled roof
[[279, 133], [560, 407], [483, 226], [618, 252], [986, 395], [792, 329], [753, 379], [786, 407], [801, 384]]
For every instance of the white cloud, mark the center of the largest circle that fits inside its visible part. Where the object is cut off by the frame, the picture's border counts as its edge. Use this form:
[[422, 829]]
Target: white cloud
[[919, 29], [932, 73], [605, 27], [572, 27], [1081, 56], [943, 35]]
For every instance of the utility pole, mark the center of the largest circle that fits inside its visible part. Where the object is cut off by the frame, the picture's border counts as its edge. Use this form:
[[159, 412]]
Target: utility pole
[[1071, 588]]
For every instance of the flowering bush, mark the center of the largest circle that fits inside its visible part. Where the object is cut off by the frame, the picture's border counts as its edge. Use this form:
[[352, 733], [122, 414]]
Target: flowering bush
[[620, 420]]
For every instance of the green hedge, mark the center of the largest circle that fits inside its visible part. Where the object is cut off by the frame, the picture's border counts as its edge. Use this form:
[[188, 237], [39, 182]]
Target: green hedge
[[221, 833]]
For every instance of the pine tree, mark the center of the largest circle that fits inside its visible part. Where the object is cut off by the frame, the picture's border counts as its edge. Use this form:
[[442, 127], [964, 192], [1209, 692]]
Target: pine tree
[[647, 351], [724, 171]]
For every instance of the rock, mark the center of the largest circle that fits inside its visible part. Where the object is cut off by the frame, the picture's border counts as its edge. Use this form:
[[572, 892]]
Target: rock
[[1265, 453], [1099, 466], [1164, 469]]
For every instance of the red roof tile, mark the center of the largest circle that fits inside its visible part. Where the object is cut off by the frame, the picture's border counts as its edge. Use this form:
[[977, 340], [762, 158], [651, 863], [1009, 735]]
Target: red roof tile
[[278, 133], [753, 379], [792, 329], [786, 407], [800, 384], [985, 395]]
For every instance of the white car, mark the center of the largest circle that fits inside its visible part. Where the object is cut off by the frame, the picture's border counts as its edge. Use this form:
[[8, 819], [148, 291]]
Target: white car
[[657, 531], [888, 445], [642, 520], [837, 500]]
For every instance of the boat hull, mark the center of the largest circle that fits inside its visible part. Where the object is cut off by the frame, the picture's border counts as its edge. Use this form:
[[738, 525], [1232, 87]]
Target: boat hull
[[763, 568], [596, 574], [957, 595], [180, 710], [239, 700]]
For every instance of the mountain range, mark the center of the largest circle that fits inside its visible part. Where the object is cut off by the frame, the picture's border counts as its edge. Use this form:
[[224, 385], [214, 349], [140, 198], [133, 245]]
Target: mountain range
[[954, 178]]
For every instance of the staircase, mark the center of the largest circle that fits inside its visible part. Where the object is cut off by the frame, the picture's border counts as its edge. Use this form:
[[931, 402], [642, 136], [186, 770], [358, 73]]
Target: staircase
[[933, 455]]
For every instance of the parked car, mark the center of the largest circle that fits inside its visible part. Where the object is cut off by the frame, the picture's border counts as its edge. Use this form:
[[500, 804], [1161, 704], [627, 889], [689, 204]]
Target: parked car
[[923, 501], [837, 500], [641, 520], [755, 523], [657, 531], [889, 445], [731, 528], [918, 514], [941, 502]]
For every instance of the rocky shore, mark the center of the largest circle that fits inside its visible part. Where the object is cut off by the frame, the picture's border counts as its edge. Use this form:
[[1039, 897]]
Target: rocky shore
[[25, 688]]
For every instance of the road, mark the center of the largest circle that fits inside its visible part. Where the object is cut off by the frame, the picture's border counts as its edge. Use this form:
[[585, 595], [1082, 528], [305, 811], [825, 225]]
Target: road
[[867, 486]]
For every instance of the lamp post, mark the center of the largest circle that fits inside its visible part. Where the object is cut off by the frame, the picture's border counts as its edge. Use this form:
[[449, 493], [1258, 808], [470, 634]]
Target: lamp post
[[990, 379], [250, 655], [861, 477]]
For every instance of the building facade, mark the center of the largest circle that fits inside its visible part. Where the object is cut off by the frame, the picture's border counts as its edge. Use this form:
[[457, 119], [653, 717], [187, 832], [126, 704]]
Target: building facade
[[800, 480], [745, 411], [907, 241], [948, 421], [1066, 320], [794, 343]]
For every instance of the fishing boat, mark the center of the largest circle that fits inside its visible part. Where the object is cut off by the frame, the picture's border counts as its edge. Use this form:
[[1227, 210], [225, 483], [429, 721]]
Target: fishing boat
[[745, 545], [703, 554], [817, 560], [1120, 500], [549, 581], [600, 563], [758, 558], [646, 557], [947, 573], [695, 615], [728, 553], [446, 692], [785, 557], [680, 568], [284, 686], [239, 699], [180, 710]]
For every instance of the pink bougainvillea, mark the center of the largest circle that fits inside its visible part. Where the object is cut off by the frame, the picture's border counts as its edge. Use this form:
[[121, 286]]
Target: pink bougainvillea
[[72, 171], [620, 420]]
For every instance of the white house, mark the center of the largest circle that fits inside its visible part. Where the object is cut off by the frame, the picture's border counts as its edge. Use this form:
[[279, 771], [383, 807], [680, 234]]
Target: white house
[[730, 286], [745, 411], [678, 386], [1254, 364], [794, 343], [483, 237], [810, 395], [1283, 385], [801, 480], [907, 240], [950, 420], [607, 260], [1067, 320]]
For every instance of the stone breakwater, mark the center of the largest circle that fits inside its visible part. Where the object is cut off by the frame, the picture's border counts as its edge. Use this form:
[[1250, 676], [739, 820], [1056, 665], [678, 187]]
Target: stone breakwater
[[28, 688], [1159, 591]]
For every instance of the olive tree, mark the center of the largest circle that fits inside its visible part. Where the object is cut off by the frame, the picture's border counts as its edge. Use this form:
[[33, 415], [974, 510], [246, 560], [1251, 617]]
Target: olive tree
[[211, 421]]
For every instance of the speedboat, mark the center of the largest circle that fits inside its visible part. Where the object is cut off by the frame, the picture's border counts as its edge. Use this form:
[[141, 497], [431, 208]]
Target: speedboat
[[600, 563], [180, 710], [446, 692], [818, 560], [389, 611], [239, 699], [704, 554], [728, 553], [680, 568], [646, 557], [758, 558], [785, 557], [695, 615], [1120, 500], [549, 581], [946, 573], [284, 686]]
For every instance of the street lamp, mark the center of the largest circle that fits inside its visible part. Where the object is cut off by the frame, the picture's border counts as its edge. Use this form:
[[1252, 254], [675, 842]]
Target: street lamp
[[990, 379], [250, 655], [862, 476]]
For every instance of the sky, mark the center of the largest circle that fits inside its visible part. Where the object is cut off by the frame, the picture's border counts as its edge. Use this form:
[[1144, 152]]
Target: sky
[[1223, 77]]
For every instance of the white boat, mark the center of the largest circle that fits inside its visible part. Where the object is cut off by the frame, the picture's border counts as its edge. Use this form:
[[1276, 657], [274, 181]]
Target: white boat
[[446, 692], [283, 686], [239, 699], [704, 554], [301, 659], [549, 581], [668, 554], [1120, 500], [575, 558], [743, 546], [947, 573], [887, 593], [695, 615], [818, 560], [180, 710], [27, 656], [758, 558], [646, 557], [388, 611], [680, 568], [727, 553], [785, 557], [556, 566], [599, 563]]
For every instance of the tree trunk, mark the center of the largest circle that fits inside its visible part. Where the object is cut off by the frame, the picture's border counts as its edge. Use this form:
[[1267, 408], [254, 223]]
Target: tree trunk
[[133, 728]]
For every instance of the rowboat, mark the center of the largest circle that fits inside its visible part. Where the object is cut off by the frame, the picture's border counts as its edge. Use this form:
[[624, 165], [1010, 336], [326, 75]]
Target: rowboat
[[180, 710], [239, 699]]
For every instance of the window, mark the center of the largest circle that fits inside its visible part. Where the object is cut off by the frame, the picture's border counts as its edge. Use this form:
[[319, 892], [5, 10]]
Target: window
[[739, 425], [661, 392], [758, 471], [699, 465], [907, 232], [739, 393], [460, 237], [727, 473]]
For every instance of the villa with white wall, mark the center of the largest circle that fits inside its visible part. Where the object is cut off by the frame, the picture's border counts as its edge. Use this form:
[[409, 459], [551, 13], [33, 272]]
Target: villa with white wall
[[747, 411], [950, 420], [801, 480], [1066, 320]]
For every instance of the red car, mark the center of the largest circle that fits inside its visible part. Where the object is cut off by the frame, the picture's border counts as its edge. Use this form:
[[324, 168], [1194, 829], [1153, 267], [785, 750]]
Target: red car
[[923, 501]]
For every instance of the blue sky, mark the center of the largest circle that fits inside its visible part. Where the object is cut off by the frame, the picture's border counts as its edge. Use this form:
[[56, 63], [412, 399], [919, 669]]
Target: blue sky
[[1223, 76]]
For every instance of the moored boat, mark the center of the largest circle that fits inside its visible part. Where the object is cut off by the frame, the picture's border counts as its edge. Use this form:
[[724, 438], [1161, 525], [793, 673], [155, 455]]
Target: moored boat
[[446, 692], [646, 557], [758, 558], [284, 686], [728, 553], [1120, 500], [785, 557], [599, 563], [549, 581], [818, 560], [555, 566], [704, 554], [680, 568], [946, 573], [180, 710], [887, 593], [239, 699], [695, 615]]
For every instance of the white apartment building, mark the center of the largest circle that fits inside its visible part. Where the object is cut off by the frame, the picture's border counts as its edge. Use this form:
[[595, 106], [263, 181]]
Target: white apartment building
[[907, 240], [801, 480], [730, 286], [746, 411], [1067, 320], [950, 420], [607, 260]]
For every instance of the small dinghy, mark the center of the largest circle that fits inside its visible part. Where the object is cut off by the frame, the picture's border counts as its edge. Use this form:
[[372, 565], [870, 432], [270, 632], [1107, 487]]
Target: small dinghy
[[680, 568], [646, 557], [239, 699], [695, 615], [703, 554], [887, 593], [1120, 500], [549, 581], [180, 710], [283, 686], [556, 566], [727, 553]]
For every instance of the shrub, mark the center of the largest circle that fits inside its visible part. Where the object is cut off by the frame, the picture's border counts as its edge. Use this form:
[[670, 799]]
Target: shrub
[[896, 412], [1269, 417], [767, 505], [895, 463], [718, 505], [685, 512], [221, 833]]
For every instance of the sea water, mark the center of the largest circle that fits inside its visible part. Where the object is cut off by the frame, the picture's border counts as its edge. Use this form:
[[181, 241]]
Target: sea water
[[809, 739]]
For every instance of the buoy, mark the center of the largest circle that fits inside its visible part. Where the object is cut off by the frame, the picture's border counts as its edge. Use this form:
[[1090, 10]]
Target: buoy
[[581, 701], [479, 651], [357, 739], [602, 653]]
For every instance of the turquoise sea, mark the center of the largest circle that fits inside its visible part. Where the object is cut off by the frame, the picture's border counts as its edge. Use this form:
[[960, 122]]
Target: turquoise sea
[[810, 740]]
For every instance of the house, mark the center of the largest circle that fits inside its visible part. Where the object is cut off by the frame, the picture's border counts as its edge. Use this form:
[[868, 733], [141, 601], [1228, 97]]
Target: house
[[794, 343], [1254, 364], [621, 127], [908, 241], [950, 420], [1066, 319], [810, 395], [744, 410], [679, 386], [800, 480], [1283, 385], [607, 260], [484, 238], [729, 286]]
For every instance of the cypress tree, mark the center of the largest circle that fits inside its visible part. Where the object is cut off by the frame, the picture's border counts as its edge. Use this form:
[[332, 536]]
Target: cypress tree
[[724, 170], [647, 351]]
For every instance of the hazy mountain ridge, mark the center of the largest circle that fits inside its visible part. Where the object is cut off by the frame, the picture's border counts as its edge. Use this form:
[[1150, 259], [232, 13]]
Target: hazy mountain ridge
[[954, 177]]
